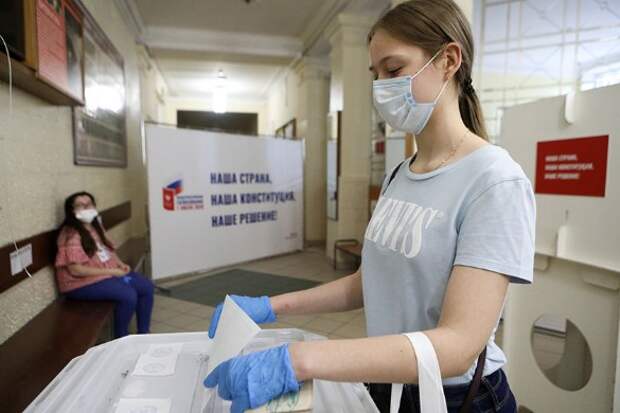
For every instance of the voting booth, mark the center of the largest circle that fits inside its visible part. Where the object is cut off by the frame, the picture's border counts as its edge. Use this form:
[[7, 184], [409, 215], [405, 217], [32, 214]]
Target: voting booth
[[216, 199], [568, 147]]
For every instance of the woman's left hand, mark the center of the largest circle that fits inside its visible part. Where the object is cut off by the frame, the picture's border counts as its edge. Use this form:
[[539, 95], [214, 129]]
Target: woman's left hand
[[252, 380], [125, 268]]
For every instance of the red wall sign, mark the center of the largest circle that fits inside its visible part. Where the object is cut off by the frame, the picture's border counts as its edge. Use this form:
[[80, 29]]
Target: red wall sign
[[51, 43], [572, 166]]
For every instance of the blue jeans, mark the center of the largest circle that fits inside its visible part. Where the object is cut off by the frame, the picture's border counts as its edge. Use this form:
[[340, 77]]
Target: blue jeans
[[131, 293], [494, 396]]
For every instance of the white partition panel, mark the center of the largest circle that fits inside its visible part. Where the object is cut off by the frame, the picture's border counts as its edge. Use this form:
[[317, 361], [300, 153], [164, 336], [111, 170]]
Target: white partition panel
[[218, 199], [571, 154]]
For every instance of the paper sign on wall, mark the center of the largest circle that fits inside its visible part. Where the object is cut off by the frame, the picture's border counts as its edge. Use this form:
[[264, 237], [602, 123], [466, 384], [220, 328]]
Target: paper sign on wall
[[572, 166]]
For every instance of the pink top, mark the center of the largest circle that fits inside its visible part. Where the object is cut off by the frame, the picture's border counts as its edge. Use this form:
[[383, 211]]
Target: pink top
[[70, 251]]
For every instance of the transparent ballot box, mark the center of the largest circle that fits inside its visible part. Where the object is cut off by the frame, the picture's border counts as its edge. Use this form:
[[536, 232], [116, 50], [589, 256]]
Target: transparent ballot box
[[161, 373]]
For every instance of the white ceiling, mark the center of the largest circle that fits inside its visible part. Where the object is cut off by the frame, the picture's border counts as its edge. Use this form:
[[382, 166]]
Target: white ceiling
[[191, 40], [270, 17], [196, 78]]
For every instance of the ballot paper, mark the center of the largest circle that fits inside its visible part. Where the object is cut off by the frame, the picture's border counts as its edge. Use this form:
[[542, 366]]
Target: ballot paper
[[235, 330], [159, 360], [292, 402], [143, 406]]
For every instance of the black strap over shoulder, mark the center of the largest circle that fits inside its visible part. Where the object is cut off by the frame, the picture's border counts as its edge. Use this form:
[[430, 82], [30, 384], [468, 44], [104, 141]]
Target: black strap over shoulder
[[474, 386], [393, 175]]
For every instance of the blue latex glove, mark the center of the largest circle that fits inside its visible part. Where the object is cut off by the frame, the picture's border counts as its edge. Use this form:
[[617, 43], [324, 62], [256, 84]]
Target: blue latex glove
[[254, 379], [258, 308], [126, 279]]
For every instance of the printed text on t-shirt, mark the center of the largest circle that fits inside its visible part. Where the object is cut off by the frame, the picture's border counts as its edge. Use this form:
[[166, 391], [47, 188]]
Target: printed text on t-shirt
[[400, 225]]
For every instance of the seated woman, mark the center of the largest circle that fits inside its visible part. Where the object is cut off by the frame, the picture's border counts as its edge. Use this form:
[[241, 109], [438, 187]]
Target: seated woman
[[87, 268]]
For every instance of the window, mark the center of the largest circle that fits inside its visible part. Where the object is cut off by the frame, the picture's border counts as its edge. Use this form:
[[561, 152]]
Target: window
[[531, 49]]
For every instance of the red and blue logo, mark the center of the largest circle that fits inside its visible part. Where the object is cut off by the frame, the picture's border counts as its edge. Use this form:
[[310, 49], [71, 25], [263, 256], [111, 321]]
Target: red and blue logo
[[170, 193], [172, 200]]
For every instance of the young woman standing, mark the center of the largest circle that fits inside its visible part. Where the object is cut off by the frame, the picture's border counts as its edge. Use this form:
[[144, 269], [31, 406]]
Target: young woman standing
[[453, 227]]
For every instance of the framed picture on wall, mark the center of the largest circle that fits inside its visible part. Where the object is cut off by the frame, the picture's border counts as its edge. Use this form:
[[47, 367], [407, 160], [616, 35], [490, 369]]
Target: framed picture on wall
[[75, 50], [99, 128], [44, 39], [57, 55]]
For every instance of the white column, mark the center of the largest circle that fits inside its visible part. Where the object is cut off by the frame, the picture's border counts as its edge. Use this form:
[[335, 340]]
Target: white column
[[466, 5], [350, 92], [313, 106]]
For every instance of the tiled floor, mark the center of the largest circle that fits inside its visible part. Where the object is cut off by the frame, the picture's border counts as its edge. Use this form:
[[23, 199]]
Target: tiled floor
[[172, 315]]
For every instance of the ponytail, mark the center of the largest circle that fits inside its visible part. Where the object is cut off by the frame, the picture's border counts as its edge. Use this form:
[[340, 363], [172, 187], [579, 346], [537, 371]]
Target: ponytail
[[471, 111]]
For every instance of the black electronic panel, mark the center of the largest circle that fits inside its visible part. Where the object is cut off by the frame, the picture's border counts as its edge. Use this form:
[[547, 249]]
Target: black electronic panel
[[239, 123], [12, 27]]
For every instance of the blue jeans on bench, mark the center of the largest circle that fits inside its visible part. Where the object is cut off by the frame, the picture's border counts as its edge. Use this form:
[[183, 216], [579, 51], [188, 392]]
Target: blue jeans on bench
[[131, 293]]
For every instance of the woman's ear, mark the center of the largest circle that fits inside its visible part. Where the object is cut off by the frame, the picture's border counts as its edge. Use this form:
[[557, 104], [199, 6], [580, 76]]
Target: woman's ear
[[452, 61]]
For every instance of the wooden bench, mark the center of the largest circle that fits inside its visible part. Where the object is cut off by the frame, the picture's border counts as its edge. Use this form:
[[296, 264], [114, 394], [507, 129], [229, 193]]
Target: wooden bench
[[350, 247], [133, 253], [65, 329], [32, 357]]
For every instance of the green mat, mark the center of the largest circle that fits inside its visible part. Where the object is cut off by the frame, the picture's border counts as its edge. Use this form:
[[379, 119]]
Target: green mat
[[211, 290]]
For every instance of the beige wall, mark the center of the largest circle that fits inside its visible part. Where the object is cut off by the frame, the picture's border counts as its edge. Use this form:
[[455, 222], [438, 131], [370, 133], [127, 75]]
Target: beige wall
[[153, 88], [283, 100], [37, 173]]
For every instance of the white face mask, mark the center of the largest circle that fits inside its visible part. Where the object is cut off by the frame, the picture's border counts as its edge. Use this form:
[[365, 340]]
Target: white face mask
[[86, 215], [395, 103]]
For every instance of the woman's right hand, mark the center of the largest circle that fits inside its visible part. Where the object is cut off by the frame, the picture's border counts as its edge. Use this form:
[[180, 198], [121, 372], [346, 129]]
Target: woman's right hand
[[258, 308], [118, 272]]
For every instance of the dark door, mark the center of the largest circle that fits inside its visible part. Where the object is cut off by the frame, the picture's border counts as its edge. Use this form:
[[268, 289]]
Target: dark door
[[240, 123]]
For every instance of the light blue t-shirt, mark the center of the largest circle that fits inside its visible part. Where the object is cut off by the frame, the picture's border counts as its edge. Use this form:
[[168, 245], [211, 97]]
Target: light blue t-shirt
[[478, 211]]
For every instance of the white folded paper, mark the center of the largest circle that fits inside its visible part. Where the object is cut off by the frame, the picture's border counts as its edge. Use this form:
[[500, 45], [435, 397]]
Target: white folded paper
[[235, 330]]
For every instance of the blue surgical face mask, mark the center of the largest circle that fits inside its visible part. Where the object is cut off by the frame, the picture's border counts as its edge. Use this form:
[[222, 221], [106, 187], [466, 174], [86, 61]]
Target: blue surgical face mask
[[396, 105]]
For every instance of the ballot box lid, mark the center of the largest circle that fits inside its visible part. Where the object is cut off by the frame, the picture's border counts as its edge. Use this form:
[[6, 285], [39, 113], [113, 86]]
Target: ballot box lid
[[165, 372]]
